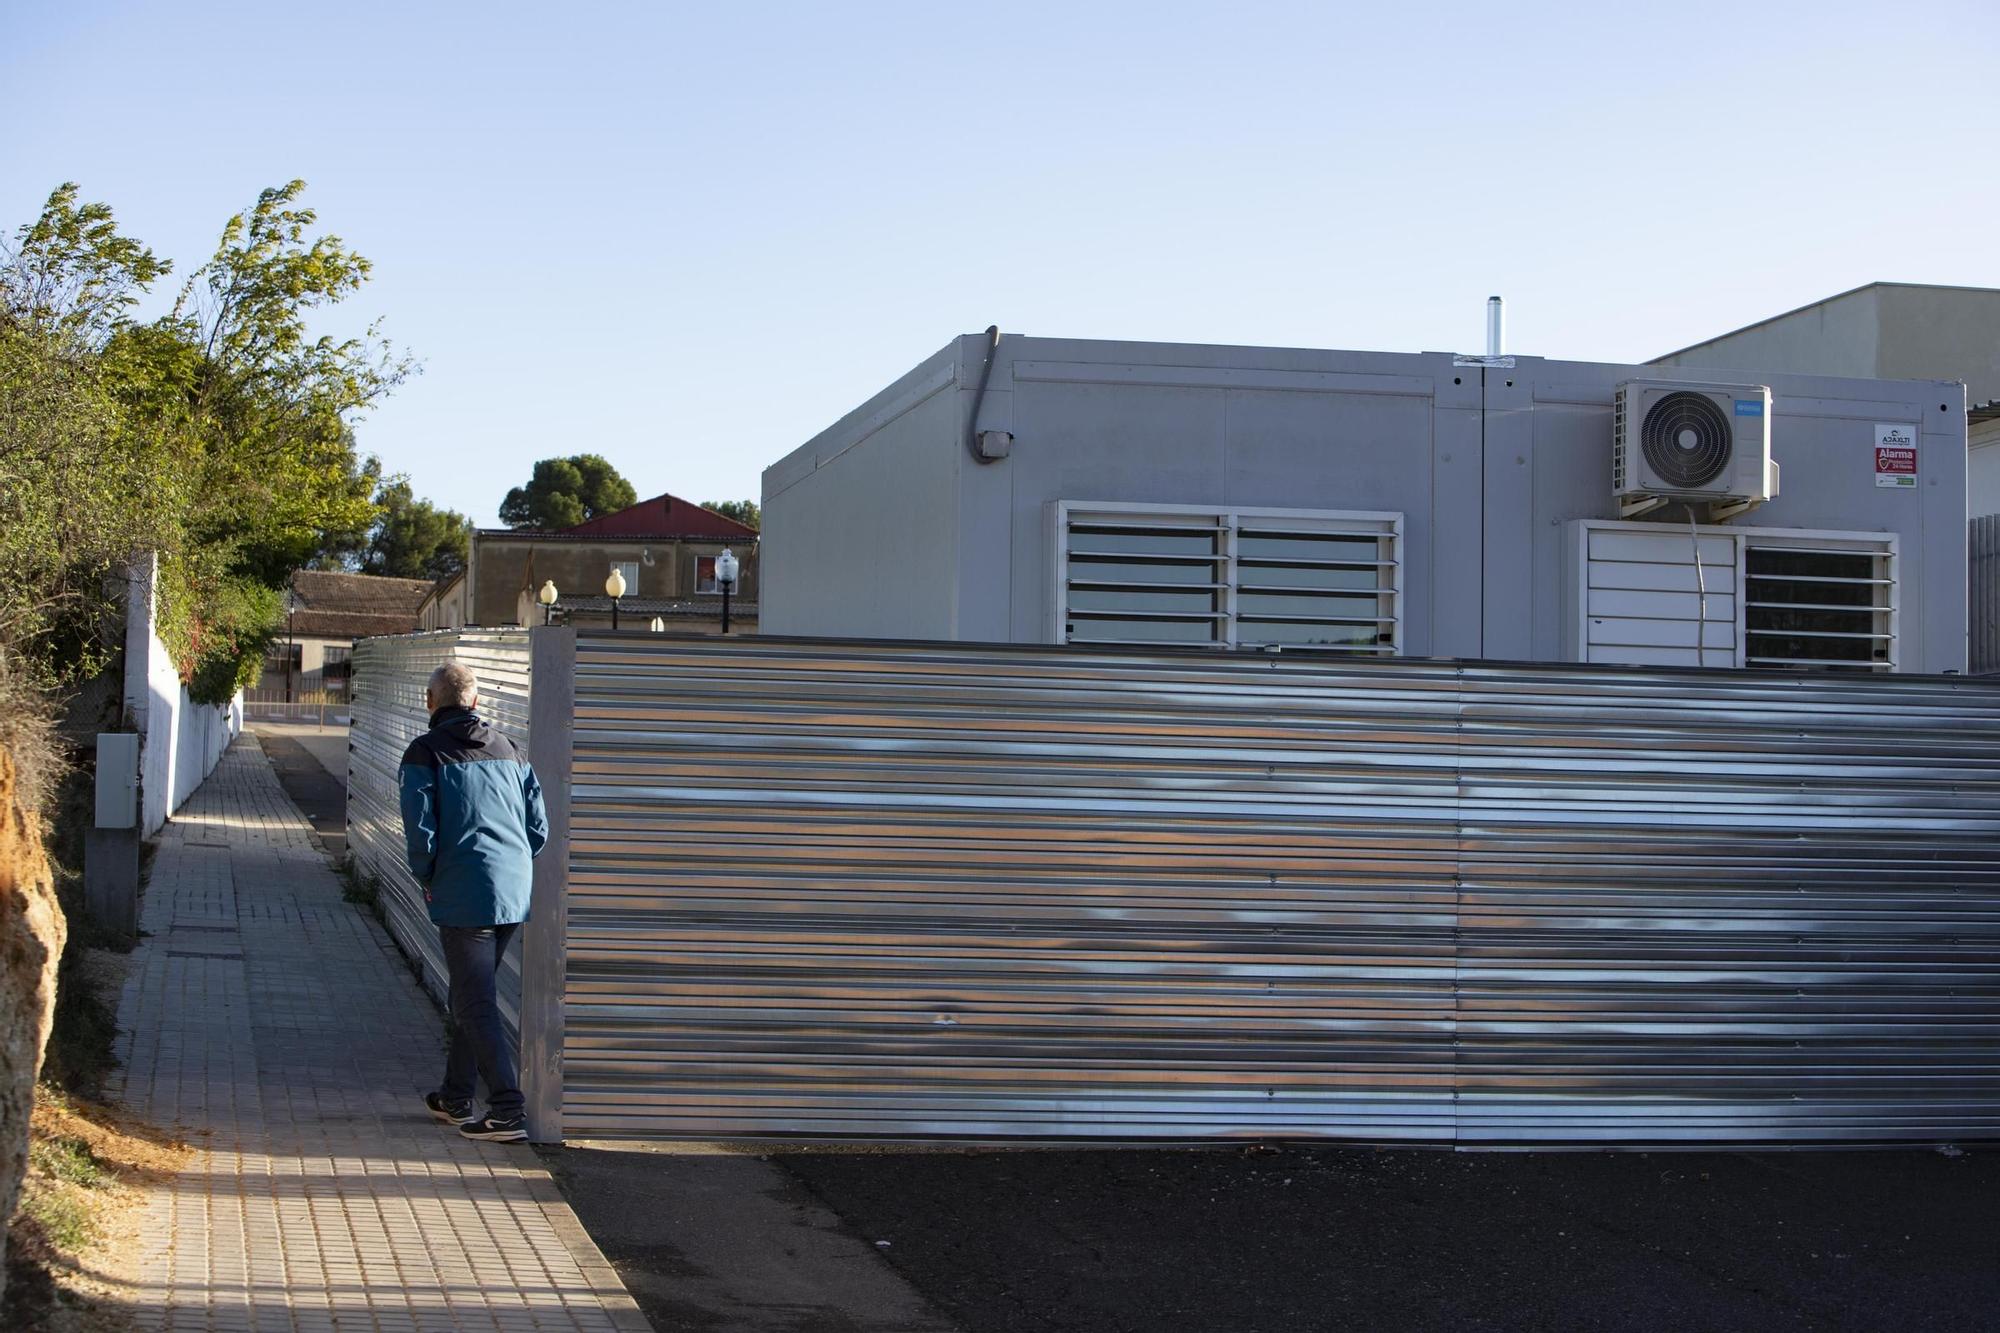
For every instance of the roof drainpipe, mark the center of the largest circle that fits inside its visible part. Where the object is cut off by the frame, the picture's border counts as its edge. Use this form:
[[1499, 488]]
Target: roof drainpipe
[[987, 446], [1496, 327]]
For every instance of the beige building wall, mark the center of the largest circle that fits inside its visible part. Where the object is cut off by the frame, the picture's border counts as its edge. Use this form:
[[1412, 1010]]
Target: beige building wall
[[1839, 336], [1941, 333], [509, 568], [445, 607], [1886, 330]]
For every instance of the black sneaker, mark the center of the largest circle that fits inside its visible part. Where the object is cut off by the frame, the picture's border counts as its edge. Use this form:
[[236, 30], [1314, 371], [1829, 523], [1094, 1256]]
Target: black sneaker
[[452, 1113], [514, 1130]]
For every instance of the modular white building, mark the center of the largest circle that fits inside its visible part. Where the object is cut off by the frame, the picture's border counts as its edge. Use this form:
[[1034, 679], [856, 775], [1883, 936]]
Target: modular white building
[[1045, 490]]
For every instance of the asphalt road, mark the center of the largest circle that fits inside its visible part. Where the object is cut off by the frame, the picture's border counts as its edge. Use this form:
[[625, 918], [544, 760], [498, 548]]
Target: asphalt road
[[1291, 1240], [304, 761]]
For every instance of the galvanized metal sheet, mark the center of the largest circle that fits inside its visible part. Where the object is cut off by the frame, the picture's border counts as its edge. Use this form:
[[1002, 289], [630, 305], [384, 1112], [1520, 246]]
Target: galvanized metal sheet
[[836, 888], [388, 710], [1984, 538]]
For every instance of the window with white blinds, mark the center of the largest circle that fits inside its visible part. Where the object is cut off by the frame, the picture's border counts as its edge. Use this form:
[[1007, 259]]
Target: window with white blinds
[[1244, 578], [1656, 594]]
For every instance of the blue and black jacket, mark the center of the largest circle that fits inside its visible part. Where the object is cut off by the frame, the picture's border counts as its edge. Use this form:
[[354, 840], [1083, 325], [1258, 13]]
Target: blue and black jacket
[[473, 820]]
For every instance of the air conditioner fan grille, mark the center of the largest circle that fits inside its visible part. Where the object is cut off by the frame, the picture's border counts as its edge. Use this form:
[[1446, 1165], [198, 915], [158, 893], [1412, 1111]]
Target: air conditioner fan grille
[[1685, 438]]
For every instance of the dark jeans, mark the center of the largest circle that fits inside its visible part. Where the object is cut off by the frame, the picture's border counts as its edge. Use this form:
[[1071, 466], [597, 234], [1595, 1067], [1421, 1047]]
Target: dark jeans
[[479, 1044]]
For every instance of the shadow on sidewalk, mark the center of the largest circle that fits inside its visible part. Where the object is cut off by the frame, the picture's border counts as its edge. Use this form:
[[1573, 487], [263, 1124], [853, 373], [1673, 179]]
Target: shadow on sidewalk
[[320, 796]]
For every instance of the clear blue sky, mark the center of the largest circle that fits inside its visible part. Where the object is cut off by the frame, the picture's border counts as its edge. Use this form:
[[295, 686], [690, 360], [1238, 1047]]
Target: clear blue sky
[[690, 236]]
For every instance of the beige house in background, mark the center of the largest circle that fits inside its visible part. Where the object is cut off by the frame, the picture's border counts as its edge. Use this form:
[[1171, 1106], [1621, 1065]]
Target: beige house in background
[[666, 548], [444, 608], [326, 613]]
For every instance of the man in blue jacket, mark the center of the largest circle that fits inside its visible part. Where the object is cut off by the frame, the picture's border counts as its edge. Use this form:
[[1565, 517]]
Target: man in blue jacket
[[473, 820]]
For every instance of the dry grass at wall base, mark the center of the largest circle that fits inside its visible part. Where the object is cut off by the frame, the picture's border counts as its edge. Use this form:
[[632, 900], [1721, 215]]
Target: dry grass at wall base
[[76, 1225], [72, 1247]]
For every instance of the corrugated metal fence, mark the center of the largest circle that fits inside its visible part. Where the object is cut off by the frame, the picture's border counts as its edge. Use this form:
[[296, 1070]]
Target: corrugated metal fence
[[870, 889], [1984, 615], [390, 675]]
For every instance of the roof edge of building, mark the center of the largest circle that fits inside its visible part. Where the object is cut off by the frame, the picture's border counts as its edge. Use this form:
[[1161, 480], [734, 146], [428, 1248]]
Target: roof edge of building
[[1772, 319], [1824, 300], [614, 538]]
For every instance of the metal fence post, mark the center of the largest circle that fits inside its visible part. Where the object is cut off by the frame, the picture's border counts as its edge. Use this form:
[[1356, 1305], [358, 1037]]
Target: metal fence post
[[1985, 595], [551, 716]]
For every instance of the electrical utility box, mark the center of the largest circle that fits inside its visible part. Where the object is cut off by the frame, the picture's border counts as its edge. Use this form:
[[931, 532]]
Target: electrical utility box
[[117, 780], [1382, 504], [111, 845]]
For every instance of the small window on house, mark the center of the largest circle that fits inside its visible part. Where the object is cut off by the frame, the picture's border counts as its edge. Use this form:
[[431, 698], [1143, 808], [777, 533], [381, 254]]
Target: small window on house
[[1243, 578], [1829, 609], [704, 574], [630, 569]]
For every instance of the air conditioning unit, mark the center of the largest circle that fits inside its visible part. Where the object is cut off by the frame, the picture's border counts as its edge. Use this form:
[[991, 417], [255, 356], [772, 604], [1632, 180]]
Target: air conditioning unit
[[1706, 444]]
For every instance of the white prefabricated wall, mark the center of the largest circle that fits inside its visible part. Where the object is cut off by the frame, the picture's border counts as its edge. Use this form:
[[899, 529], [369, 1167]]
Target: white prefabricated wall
[[181, 741], [885, 525]]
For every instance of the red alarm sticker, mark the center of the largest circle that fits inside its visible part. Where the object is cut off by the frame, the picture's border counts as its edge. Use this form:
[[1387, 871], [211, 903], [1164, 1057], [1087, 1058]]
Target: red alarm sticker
[[1895, 455]]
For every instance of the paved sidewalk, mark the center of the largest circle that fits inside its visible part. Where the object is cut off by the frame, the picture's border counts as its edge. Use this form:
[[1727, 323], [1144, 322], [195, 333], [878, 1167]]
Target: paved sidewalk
[[275, 1026]]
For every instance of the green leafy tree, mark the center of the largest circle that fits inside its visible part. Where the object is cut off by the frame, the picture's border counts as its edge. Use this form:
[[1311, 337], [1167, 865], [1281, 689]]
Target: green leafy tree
[[219, 436], [414, 539], [273, 404], [81, 485], [343, 548], [70, 278], [745, 512], [564, 492]]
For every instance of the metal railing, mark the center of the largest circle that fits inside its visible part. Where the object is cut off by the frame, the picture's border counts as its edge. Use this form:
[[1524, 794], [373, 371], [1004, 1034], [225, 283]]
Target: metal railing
[[318, 712]]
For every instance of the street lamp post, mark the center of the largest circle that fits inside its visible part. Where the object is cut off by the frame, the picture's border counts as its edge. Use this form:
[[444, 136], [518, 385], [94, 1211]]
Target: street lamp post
[[614, 588], [725, 579], [291, 639], [547, 597]]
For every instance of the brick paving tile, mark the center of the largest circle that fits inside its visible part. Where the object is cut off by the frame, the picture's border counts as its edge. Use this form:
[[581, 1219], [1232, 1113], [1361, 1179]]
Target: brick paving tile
[[275, 1026]]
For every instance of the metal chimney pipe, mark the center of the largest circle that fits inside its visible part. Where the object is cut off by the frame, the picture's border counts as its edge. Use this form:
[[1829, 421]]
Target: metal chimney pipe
[[1496, 327]]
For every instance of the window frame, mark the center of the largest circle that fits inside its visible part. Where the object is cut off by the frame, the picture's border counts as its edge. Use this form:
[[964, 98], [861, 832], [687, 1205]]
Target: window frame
[[1886, 546], [1879, 549], [630, 569], [1229, 521]]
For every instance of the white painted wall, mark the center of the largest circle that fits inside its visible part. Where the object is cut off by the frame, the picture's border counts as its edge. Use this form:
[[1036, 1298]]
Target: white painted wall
[[863, 520], [181, 741]]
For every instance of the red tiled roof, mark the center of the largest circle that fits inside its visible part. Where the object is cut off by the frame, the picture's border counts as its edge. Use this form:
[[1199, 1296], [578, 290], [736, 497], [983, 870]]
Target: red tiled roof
[[663, 516]]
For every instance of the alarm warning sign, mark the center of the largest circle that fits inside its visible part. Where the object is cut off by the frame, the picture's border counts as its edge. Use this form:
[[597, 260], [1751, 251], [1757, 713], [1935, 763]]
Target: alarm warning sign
[[1895, 456]]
